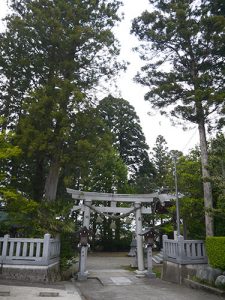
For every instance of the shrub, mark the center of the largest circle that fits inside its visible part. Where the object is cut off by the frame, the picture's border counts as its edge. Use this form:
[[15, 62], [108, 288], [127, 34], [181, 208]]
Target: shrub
[[68, 251], [215, 248], [113, 245]]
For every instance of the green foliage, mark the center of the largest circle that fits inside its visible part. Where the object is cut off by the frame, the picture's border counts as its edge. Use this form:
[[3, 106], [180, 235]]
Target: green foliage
[[190, 186], [189, 175], [184, 41], [177, 33], [31, 218], [55, 217], [68, 250], [21, 213], [192, 213], [128, 138], [217, 169], [160, 157], [168, 228], [157, 270], [192, 204], [47, 75], [114, 245], [58, 44], [7, 152], [90, 160], [215, 249]]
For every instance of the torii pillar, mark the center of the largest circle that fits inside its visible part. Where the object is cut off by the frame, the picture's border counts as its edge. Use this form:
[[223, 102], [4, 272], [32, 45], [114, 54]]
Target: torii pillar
[[140, 256]]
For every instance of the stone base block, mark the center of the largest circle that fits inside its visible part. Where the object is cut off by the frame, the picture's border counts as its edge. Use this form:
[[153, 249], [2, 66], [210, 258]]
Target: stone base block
[[176, 273], [150, 275], [82, 276], [30, 273]]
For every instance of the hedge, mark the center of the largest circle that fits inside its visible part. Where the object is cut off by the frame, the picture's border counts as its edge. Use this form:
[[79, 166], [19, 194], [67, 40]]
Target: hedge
[[215, 249]]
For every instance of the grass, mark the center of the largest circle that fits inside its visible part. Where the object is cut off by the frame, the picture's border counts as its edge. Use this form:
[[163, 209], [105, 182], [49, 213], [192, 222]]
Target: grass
[[157, 270], [194, 278]]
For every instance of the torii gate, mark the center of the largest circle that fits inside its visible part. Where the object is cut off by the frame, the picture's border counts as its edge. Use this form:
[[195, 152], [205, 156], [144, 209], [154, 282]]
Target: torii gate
[[137, 208]]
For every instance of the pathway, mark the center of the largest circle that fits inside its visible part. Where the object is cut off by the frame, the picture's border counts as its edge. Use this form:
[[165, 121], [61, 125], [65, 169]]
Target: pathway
[[108, 280]]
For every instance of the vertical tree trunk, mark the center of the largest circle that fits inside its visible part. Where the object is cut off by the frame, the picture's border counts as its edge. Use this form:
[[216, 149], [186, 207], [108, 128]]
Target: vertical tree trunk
[[117, 230], [51, 182], [184, 228], [38, 180], [208, 200], [94, 229]]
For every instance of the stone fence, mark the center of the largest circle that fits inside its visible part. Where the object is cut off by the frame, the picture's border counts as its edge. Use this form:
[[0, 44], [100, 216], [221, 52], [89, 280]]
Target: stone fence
[[25, 251], [182, 251]]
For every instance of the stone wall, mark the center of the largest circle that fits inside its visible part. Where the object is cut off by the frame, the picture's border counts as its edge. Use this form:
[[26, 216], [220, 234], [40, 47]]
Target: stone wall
[[30, 273]]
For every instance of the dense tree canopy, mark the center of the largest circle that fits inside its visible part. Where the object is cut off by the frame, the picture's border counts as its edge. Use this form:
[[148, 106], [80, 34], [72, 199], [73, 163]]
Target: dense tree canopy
[[90, 157], [124, 123], [217, 167], [160, 157], [52, 53]]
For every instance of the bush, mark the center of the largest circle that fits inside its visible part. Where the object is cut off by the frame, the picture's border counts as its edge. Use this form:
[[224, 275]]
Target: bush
[[113, 245], [215, 248], [68, 251]]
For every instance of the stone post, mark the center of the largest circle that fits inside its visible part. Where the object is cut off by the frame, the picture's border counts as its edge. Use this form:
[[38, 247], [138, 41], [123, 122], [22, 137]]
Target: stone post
[[4, 247], [150, 273], [46, 248], [140, 257], [165, 237], [180, 247], [83, 273]]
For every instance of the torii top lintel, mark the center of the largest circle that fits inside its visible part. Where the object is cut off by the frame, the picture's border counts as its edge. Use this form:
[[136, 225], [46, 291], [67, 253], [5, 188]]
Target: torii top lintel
[[141, 198]]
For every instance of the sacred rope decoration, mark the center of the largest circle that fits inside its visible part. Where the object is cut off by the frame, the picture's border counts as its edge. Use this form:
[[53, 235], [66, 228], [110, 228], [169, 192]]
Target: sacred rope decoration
[[114, 217]]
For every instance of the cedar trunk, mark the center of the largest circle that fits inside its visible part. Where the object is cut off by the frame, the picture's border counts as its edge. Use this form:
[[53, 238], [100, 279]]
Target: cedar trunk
[[51, 182], [207, 189]]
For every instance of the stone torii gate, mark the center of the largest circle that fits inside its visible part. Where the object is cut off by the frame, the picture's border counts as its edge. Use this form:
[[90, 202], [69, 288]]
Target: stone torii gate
[[137, 201]]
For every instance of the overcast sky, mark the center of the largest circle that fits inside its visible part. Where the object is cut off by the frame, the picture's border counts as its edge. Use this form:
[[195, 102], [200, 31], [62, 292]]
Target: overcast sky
[[155, 124]]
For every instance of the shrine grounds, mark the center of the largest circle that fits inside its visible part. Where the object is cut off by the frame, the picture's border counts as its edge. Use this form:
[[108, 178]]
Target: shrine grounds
[[110, 279]]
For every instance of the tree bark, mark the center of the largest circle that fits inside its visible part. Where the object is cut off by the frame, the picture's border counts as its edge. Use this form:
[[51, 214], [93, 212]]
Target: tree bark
[[38, 180], [51, 182], [117, 230], [207, 189]]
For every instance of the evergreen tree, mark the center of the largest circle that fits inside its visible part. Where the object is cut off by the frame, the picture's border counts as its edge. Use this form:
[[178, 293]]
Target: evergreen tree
[[191, 204], [52, 54], [185, 75], [91, 163], [161, 159], [217, 168], [129, 139]]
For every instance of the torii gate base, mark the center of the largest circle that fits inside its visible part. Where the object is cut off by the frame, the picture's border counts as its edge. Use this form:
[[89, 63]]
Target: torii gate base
[[137, 208]]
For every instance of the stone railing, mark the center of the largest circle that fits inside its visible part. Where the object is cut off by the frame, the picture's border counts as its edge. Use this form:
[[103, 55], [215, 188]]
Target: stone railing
[[184, 251], [24, 251]]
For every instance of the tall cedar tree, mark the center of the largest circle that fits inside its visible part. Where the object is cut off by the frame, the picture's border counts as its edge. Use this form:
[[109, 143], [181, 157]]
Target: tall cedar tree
[[125, 126], [161, 159], [52, 53], [185, 72]]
